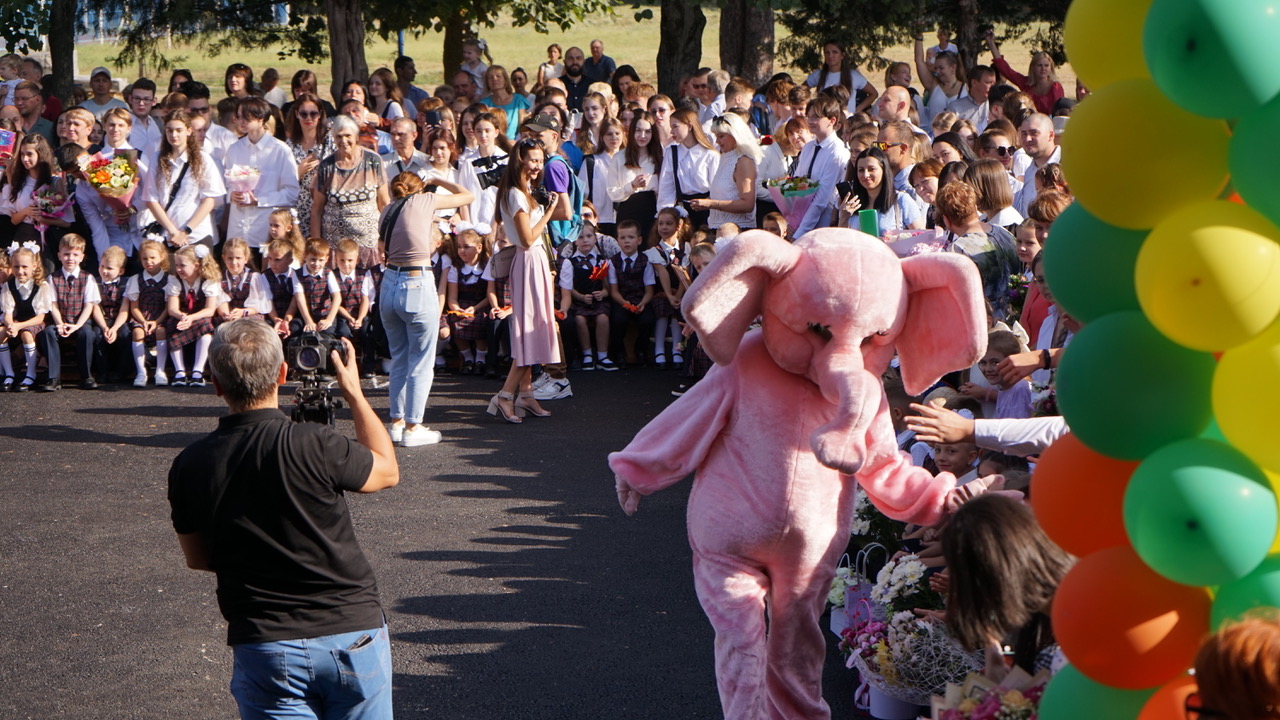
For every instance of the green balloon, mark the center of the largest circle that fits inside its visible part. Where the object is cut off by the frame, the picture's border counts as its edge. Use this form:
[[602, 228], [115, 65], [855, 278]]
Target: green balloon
[[1260, 588], [1253, 156], [1072, 696], [1215, 58], [1126, 390], [1200, 513], [1213, 432], [1090, 264]]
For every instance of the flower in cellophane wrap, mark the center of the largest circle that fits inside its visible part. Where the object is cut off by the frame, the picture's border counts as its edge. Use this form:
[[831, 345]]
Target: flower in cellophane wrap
[[915, 660], [792, 195], [115, 178], [242, 178]]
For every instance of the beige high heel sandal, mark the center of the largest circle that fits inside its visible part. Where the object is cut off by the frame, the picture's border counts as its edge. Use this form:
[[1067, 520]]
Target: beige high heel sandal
[[534, 410], [496, 409]]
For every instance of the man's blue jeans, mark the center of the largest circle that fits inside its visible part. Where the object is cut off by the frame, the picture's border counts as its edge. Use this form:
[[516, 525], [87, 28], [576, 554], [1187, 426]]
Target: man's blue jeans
[[344, 676]]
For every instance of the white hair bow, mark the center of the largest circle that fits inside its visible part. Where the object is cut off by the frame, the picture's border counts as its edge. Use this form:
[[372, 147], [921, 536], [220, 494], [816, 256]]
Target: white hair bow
[[201, 251], [28, 245]]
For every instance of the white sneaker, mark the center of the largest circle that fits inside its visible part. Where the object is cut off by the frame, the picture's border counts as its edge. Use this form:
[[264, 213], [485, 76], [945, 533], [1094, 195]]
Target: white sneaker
[[554, 390], [396, 431], [420, 435], [161, 379], [540, 382], [140, 380]]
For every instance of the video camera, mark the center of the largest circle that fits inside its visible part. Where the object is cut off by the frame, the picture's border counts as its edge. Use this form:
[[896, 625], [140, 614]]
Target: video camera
[[308, 356], [490, 177]]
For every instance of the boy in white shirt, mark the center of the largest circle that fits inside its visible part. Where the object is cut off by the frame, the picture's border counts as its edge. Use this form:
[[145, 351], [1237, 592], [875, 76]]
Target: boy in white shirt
[[824, 160]]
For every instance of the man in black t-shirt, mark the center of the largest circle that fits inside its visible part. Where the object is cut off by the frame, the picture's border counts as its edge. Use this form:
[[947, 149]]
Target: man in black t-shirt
[[260, 502]]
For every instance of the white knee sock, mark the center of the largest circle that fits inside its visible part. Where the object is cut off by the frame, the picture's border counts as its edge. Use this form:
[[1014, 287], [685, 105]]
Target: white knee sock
[[162, 355], [202, 353], [6, 361], [659, 338], [175, 355], [140, 357], [29, 352], [675, 339]]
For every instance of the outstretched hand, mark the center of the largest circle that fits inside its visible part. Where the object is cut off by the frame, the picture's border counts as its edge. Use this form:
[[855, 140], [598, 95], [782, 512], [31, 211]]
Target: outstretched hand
[[628, 497], [1018, 366], [939, 425]]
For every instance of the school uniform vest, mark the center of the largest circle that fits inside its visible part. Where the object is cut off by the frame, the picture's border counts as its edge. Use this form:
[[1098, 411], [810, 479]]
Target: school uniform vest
[[281, 292], [151, 300], [23, 310], [237, 288], [583, 266], [352, 292], [672, 256], [631, 282], [471, 289], [192, 299], [315, 289], [70, 294], [112, 298]]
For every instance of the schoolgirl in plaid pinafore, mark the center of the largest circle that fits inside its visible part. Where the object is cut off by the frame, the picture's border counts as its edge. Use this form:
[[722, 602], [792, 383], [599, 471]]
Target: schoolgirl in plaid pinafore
[[69, 293], [583, 267], [236, 291], [315, 290], [661, 305], [472, 291], [25, 309], [152, 302], [192, 300]]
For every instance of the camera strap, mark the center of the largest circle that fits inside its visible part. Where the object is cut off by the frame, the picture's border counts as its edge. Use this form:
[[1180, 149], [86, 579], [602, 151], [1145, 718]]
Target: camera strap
[[389, 219]]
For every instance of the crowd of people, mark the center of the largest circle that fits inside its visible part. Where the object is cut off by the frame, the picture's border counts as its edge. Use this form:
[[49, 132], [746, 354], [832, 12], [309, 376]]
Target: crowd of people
[[520, 225]]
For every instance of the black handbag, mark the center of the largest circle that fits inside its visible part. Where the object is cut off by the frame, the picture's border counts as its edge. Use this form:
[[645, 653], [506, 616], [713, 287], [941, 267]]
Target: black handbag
[[156, 228]]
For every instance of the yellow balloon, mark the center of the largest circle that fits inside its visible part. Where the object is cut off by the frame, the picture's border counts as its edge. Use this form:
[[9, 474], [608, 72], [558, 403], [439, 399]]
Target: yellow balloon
[[1183, 156], [1208, 276], [1103, 40], [1246, 395]]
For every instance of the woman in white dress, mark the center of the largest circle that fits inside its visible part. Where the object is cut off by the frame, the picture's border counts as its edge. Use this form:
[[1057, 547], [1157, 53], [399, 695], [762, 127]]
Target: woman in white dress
[[733, 188], [944, 83]]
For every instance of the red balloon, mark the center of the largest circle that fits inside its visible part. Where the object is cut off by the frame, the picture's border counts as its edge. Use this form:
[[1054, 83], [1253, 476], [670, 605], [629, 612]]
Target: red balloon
[[1169, 702], [1122, 625], [1078, 496]]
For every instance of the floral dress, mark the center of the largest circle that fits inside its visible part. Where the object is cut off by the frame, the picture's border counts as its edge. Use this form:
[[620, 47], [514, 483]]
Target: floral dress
[[351, 203], [323, 150]]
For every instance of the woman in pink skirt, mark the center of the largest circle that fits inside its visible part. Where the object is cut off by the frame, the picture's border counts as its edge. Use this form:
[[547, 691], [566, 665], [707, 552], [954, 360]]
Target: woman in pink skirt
[[533, 331]]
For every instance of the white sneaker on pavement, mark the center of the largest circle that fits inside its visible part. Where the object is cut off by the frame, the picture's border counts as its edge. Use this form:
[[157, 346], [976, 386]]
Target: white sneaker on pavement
[[420, 435], [396, 431], [554, 390]]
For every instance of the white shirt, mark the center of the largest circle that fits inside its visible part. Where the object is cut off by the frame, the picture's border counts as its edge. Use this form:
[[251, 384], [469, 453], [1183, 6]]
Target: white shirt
[[132, 290], [566, 269], [622, 176], [365, 282], [277, 186], [145, 134], [620, 263], [596, 183], [967, 109], [217, 140], [857, 81], [190, 193], [1020, 437], [46, 296], [772, 166], [696, 166], [826, 163], [99, 110], [1023, 199], [471, 274], [275, 96], [417, 163]]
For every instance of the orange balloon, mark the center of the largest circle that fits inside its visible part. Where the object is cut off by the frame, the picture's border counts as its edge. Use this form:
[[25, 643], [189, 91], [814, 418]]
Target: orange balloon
[[1078, 496], [1169, 702], [1122, 625]]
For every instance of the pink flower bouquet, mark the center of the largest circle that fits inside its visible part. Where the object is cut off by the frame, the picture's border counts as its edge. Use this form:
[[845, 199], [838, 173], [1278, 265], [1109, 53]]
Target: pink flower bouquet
[[242, 178]]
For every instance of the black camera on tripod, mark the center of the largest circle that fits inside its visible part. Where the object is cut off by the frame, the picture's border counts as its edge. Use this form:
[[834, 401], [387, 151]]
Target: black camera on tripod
[[308, 356]]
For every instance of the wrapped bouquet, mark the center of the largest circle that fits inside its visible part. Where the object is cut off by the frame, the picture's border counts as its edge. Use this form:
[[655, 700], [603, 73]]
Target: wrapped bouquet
[[792, 195], [115, 178], [242, 178], [1016, 697]]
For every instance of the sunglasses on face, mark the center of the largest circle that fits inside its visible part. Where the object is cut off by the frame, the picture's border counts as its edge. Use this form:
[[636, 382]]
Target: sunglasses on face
[[1002, 151], [884, 146], [309, 114]]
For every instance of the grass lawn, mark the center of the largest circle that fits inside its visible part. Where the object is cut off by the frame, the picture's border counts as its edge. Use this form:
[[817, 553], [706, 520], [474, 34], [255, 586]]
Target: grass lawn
[[626, 40]]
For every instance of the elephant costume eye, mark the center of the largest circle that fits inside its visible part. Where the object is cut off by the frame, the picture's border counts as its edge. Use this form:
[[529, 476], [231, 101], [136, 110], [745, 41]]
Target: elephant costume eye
[[822, 331]]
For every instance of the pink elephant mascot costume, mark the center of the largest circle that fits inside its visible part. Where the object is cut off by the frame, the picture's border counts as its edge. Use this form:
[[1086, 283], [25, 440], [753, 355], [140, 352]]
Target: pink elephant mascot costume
[[779, 432]]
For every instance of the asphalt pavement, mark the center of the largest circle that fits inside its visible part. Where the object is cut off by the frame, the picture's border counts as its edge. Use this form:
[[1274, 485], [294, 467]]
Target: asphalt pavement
[[514, 585]]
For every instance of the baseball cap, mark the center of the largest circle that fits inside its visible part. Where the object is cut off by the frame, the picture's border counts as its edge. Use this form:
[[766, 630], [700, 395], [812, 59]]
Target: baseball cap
[[543, 122], [100, 71]]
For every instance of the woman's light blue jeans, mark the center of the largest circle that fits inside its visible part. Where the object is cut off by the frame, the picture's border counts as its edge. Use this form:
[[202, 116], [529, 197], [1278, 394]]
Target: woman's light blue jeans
[[410, 312]]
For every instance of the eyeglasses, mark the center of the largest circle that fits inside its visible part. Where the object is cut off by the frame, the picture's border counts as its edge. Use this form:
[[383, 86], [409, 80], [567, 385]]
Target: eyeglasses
[[22, 99], [1195, 711], [309, 114], [884, 146], [200, 110], [141, 99], [1002, 151]]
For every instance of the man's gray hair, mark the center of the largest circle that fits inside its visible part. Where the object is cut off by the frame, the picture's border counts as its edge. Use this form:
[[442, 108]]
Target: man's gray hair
[[718, 80], [245, 358]]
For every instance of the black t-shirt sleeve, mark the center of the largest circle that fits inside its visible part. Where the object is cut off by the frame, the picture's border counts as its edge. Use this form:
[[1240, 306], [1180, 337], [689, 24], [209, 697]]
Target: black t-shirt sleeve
[[348, 462]]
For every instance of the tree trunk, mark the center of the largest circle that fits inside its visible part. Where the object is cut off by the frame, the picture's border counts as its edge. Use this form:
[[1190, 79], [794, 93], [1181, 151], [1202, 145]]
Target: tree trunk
[[63, 15], [680, 50], [746, 40], [346, 44], [967, 39], [456, 29]]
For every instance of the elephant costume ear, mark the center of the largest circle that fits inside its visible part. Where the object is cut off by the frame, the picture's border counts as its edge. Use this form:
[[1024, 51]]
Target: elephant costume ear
[[946, 323], [729, 294]]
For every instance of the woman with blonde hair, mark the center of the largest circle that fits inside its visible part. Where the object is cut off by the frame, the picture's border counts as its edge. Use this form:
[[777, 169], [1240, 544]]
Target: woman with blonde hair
[[733, 187], [1040, 82], [500, 94]]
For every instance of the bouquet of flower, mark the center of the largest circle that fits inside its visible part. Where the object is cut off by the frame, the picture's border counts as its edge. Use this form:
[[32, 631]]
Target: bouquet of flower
[[114, 178], [901, 585], [1017, 294], [792, 195], [242, 178], [872, 526], [908, 243], [915, 660], [1016, 697]]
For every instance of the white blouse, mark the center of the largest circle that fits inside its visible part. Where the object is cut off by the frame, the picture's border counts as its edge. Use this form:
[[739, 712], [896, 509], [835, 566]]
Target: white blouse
[[190, 193]]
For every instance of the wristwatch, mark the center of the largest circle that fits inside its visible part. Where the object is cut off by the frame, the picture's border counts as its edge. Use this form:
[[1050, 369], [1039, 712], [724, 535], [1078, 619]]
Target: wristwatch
[[186, 229]]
